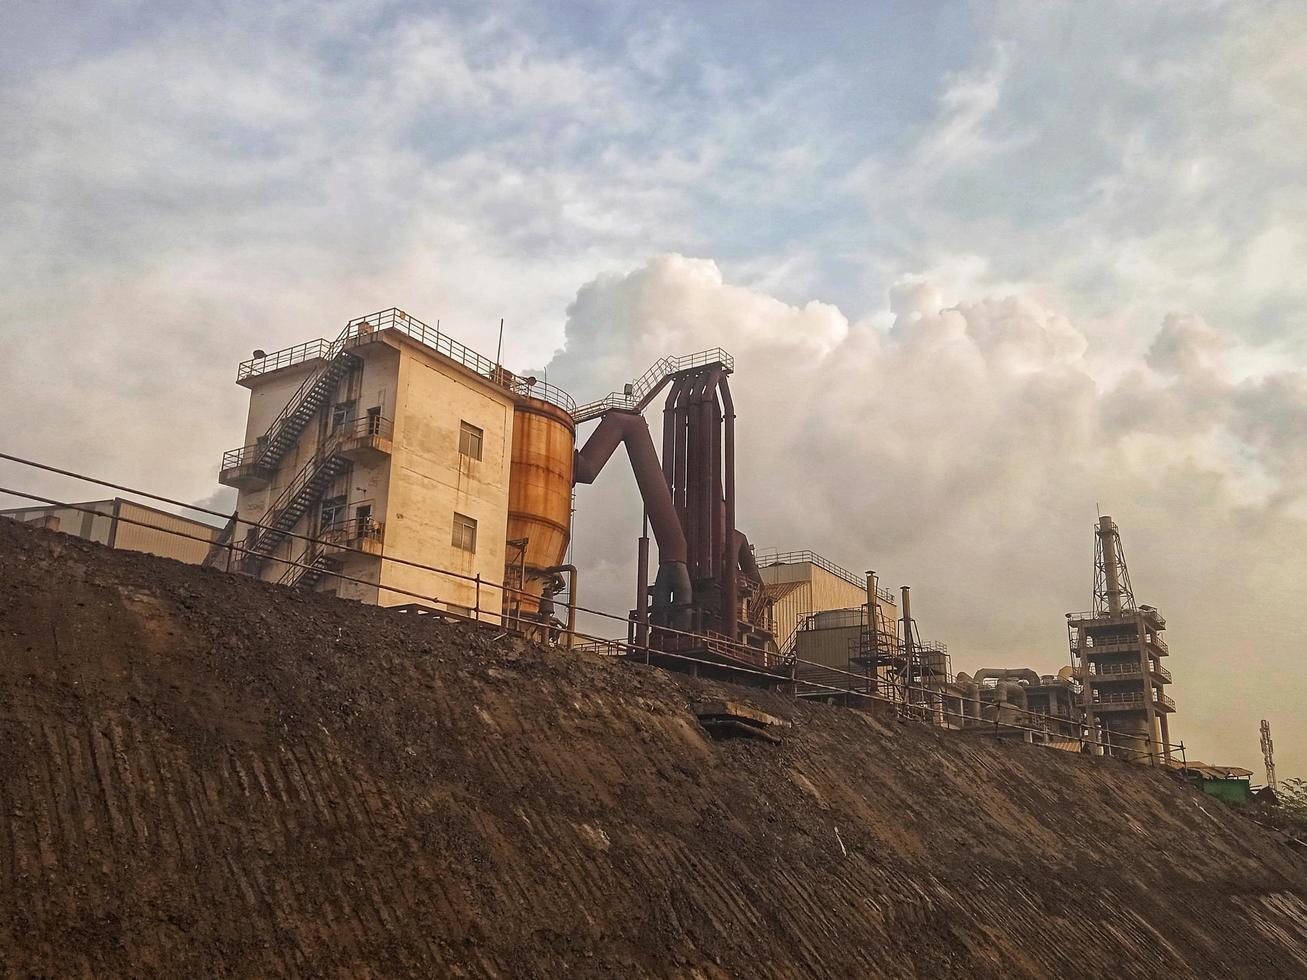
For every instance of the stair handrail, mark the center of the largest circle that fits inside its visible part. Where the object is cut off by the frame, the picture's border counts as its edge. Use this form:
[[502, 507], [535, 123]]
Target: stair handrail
[[302, 478], [221, 540], [302, 565], [643, 387], [334, 350]]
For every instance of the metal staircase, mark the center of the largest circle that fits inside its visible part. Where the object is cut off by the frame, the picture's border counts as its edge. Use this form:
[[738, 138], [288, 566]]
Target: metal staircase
[[221, 542], [315, 391], [304, 404], [637, 395], [293, 503], [313, 563]]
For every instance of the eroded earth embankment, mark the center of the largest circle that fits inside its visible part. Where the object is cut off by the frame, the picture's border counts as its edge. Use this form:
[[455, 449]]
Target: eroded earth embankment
[[204, 775]]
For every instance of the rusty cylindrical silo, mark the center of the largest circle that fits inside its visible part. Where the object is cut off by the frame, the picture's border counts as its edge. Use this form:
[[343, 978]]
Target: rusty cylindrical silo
[[539, 496]]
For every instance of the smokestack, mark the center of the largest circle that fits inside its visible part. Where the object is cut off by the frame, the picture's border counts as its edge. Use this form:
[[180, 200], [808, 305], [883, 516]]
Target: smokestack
[[872, 626], [907, 646], [1107, 537]]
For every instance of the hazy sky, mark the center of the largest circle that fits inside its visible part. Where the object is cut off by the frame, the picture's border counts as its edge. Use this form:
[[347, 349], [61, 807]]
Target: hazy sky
[[982, 265]]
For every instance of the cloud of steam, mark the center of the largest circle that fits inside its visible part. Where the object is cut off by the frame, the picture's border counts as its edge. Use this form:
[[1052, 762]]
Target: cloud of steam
[[962, 448]]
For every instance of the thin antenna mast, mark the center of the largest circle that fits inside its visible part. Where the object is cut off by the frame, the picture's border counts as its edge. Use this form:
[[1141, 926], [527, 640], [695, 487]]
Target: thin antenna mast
[[499, 352]]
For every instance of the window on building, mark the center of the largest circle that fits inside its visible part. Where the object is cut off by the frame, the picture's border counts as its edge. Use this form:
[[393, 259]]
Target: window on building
[[341, 413], [465, 533], [470, 440], [333, 512]]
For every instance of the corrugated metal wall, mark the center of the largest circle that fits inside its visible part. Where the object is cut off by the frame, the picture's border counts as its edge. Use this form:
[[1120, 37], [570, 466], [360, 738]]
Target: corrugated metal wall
[[817, 590], [161, 542], [92, 527]]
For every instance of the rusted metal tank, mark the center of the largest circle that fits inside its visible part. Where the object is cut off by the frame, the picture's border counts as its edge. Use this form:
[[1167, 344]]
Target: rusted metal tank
[[539, 497]]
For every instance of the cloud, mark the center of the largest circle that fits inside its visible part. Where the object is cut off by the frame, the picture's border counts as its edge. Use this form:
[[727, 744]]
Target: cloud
[[1100, 205], [963, 450], [1133, 170]]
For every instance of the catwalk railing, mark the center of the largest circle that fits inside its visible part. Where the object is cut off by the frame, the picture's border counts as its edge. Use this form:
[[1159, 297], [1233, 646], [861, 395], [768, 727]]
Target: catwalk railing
[[928, 704], [635, 395], [360, 329], [767, 557]]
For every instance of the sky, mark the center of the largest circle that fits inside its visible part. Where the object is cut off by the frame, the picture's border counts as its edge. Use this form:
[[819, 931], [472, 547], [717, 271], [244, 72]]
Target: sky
[[984, 268]]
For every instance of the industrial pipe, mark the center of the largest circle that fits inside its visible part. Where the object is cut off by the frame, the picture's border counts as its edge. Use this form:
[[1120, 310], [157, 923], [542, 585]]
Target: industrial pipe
[[730, 563], [907, 646], [718, 545], [669, 434], [706, 404], [642, 587], [1007, 674], [672, 583], [872, 625], [681, 461], [1009, 692]]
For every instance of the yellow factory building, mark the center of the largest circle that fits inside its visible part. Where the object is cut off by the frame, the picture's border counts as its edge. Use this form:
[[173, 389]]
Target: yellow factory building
[[395, 439], [125, 524]]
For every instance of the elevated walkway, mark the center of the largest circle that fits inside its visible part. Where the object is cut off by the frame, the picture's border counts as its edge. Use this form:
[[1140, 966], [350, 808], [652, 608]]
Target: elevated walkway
[[637, 395]]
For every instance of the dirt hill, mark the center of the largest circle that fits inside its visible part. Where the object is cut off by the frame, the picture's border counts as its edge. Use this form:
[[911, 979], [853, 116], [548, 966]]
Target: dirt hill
[[204, 775]]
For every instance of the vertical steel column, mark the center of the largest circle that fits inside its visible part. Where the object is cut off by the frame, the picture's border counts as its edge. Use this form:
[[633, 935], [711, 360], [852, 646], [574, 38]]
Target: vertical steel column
[[669, 434], [907, 647], [873, 634], [707, 398], [685, 467], [730, 558], [718, 546], [642, 585]]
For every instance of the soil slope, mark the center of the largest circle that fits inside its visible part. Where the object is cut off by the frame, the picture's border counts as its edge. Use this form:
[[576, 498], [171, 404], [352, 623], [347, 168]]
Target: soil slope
[[204, 775]]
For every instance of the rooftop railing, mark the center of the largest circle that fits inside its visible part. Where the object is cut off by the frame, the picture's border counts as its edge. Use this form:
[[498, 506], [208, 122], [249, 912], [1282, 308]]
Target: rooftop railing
[[360, 329], [287, 357], [768, 557]]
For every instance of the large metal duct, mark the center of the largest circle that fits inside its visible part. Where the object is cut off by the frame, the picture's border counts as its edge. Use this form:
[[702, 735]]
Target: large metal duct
[[1010, 692], [971, 707], [709, 470], [1007, 674], [672, 583]]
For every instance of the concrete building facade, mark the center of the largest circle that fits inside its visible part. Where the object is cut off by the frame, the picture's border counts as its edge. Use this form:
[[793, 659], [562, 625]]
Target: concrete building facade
[[803, 583], [1116, 650], [391, 440]]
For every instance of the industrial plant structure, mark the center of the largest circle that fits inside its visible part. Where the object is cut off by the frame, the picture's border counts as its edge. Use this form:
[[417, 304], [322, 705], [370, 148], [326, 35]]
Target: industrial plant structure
[[395, 440], [801, 584], [393, 437], [393, 465], [1116, 650]]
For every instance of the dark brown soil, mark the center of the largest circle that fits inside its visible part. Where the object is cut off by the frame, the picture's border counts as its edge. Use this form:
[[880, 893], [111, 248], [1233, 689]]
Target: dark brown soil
[[202, 775]]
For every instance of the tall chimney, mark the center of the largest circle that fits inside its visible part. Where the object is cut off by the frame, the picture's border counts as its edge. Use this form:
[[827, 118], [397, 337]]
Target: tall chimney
[[907, 647], [872, 627], [1111, 563]]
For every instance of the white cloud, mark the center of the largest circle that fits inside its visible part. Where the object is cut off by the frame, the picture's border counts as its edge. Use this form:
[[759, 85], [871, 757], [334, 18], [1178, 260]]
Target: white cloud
[[963, 451]]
